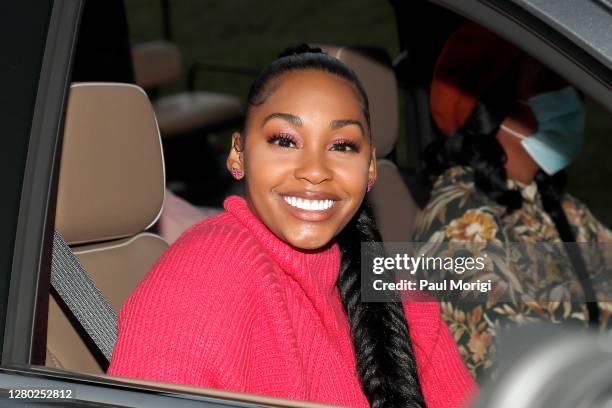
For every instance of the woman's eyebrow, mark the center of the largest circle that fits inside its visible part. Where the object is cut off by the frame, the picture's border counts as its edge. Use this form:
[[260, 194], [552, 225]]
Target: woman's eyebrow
[[294, 120], [297, 121], [336, 124]]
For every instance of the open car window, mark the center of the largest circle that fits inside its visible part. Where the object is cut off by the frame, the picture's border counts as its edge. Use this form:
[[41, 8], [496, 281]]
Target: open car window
[[176, 52]]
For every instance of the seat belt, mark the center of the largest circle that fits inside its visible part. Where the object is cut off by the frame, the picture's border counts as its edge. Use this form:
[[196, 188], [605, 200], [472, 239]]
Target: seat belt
[[80, 294]]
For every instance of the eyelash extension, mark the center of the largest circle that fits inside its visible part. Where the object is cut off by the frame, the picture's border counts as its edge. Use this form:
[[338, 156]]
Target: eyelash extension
[[282, 137], [354, 148]]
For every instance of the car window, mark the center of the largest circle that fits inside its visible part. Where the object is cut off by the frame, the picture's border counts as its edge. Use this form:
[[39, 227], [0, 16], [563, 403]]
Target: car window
[[234, 42], [590, 175], [548, 211]]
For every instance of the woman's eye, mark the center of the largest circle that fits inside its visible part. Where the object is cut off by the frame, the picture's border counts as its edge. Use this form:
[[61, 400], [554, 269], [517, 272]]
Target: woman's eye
[[282, 140], [345, 147]]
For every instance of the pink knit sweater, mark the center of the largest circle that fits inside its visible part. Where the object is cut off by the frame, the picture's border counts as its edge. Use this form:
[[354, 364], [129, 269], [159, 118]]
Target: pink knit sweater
[[231, 306]]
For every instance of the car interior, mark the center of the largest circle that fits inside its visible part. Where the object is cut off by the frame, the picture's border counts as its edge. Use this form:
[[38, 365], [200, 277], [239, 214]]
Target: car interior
[[135, 140], [158, 63], [112, 155]]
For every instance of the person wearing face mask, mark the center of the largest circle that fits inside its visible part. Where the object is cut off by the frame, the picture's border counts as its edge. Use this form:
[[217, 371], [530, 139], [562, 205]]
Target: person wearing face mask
[[510, 127]]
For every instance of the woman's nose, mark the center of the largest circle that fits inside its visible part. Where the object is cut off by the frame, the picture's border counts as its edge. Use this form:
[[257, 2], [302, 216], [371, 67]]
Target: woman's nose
[[313, 168]]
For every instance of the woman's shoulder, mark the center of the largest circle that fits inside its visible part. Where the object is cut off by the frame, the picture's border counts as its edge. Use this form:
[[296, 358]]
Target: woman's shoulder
[[223, 224], [587, 227], [221, 235], [200, 299], [444, 377], [455, 199], [456, 187], [424, 323], [207, 258]]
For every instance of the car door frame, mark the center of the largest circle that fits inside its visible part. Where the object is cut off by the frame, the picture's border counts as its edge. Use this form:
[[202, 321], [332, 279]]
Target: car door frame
[[25, 331]]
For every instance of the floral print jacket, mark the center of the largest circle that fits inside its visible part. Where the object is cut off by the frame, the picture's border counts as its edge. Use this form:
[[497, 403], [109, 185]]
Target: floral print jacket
[[458, 212]]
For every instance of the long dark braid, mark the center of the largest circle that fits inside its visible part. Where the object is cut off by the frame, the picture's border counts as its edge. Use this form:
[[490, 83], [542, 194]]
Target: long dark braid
[[385, 362], [475, 145]]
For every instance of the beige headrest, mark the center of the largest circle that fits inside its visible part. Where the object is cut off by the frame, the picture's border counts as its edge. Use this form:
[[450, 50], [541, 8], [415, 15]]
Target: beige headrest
[[380, 84], [111, 180], [156, 63]]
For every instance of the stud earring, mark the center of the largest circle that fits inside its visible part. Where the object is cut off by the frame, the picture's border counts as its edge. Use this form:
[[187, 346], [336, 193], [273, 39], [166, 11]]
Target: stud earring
[[237, 174], [370, 184]]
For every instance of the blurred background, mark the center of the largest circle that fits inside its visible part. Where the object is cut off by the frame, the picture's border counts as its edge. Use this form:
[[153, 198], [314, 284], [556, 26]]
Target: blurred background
[[253, 33]]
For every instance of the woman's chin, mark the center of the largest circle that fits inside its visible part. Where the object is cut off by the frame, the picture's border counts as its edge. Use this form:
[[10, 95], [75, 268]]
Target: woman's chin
[[309, 243]]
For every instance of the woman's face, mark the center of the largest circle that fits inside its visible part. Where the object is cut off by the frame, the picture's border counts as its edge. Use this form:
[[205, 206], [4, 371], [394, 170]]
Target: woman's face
[[534, 79], [306, 157]]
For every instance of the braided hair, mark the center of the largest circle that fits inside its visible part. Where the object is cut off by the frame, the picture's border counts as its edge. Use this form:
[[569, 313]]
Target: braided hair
[[384, 357], [474, 145]]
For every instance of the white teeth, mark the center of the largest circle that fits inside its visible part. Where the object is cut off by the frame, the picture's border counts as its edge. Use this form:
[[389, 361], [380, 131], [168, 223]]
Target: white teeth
[[310, 205]]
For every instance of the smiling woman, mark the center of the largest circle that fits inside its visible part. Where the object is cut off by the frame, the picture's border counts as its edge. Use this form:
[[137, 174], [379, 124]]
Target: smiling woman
[[318, 153], [266, 297]]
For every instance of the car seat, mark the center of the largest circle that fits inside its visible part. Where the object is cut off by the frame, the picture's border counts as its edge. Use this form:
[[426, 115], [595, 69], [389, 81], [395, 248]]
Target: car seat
[[110, 191], [158, 63], [394, 208]]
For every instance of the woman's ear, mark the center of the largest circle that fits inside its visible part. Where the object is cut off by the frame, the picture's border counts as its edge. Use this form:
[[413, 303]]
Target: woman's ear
[[373, 170], [235, 159]]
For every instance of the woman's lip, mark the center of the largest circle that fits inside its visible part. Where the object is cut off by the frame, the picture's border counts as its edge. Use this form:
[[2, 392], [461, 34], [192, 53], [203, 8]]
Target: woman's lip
[[311, 195], [310, 215]]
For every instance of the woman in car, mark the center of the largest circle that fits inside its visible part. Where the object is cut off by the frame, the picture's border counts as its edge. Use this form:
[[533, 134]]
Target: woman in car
[[510, 126], [265, 298]]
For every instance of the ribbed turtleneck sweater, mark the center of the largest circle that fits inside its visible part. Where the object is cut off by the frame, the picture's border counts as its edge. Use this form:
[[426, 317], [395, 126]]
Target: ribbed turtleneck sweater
[[231, 306]]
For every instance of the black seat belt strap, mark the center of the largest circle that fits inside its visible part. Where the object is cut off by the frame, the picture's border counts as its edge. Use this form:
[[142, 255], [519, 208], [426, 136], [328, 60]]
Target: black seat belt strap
[[80, 294]]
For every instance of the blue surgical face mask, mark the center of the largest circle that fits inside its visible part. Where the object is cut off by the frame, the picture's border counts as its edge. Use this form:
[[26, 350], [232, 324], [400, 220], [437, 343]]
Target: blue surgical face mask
[[560, 136]]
